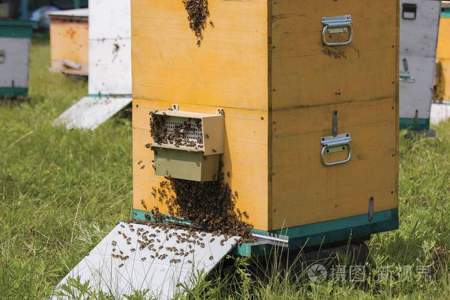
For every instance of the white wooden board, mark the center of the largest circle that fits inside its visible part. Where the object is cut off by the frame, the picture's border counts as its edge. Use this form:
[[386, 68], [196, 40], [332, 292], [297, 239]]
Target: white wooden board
[[14, 65], [161, 267], [419, 37], [110, 67], [440, 112], [90, 112], [110, 19], [71, 13], [418, 42], [417, 94]]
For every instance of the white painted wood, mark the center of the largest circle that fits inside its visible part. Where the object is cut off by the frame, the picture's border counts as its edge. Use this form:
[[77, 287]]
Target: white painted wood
[[110, 67], [418, 42], [90, 112], [419, 37], [440, 112], [14, 69], [71, 13], [164, 278], [110, 19], [417, 94]]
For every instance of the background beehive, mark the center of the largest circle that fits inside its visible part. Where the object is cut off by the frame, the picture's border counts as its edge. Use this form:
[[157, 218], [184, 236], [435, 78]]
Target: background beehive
[[69, 41], [264, 63]]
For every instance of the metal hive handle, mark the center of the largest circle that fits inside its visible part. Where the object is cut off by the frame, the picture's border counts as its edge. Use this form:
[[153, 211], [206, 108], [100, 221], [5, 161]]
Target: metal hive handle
[[333, 142], [339, 24]]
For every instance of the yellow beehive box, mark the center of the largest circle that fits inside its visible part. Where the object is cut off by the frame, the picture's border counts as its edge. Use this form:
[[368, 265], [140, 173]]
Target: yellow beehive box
[[309, 91], [443, 55], [69, 41]]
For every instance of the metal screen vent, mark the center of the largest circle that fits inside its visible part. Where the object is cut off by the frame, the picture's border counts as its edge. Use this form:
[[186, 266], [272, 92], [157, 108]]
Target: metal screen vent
[[187, 131]]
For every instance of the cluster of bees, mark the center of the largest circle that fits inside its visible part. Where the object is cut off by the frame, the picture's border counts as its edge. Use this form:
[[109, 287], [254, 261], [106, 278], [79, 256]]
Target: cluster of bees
[[208, 205], [198, 14], [181, 134], [154, 238]]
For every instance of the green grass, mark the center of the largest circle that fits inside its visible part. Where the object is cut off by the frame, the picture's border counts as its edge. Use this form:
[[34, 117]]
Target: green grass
[[62, 191]]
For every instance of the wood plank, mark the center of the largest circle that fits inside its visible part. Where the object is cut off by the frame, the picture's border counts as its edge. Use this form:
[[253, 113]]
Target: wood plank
[[304, 191], [229, 69], [245, 158], [14, 68], [110, 67], [69, 42], [307, 73]]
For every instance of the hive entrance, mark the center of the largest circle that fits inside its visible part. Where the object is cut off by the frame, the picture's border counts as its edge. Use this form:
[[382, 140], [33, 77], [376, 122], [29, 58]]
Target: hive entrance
[[208, 205], [175, 131]]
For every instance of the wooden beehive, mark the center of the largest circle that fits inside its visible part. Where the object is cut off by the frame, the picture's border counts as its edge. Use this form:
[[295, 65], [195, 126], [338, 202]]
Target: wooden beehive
[[419, 27], [311, 130], [14, 57], [443, 53], [69, 41]]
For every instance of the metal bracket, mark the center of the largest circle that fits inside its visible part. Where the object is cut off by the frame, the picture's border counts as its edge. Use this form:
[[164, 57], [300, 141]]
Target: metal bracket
[[2, 56], [409, 11], [331, 144], [336, 25], [273, 239], [405, 75]]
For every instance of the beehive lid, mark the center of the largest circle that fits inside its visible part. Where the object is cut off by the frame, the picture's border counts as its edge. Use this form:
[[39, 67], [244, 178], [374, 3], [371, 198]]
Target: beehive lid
[[71, 14], [16, 28], [163, 278]]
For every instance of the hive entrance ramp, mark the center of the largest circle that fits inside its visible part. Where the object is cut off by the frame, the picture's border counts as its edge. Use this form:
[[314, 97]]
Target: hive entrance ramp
[[137, 257], [92, 111]]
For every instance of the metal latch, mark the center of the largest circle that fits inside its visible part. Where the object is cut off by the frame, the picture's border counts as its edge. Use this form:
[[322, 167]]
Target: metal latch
[[336, 25], [409, 11], [332, 144], [405, 75], [2, 56], [335, 143]]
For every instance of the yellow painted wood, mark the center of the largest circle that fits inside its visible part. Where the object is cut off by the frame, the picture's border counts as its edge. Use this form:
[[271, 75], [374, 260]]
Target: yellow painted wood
[[319, 193], [443, 58], [245, 157], [264, 63], [229, 69], [309, 82], [69, 41], [306, 73]]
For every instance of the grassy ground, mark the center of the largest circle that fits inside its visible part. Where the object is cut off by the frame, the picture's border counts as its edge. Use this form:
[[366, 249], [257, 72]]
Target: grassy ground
[[62, 191]]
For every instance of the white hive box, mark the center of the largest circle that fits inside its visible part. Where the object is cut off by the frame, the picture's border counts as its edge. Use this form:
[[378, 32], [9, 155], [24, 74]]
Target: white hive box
[[14, 57], [419, 26], [109, 66]]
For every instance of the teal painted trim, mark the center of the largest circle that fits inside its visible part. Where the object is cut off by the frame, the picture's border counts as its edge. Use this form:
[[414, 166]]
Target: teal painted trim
[[414, 124], [311, 235], [13, 92], [141, 215], [445, 13], [16, 28], [329, 232]]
